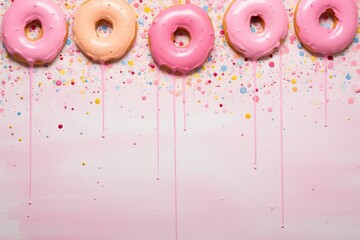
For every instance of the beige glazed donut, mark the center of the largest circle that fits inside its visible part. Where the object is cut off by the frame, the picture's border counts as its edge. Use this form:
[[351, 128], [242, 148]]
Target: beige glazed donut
[[124, 26]]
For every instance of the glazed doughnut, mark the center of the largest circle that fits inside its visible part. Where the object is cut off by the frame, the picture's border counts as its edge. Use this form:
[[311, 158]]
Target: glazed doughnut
[[318, 39], [237, 26], [190, 18], [52, 36], [124, 26]]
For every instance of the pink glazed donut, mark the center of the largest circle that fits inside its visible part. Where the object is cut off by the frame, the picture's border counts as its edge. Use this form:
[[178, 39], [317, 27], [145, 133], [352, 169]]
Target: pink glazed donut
[[242, 39], [321, 40], [54, 29], [181, 59]]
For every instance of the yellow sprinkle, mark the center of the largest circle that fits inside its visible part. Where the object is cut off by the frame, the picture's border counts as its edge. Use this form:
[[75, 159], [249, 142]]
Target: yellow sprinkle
[[234, 78], [293, 81], [248, 116], [20, 139], [313, 58], [97, 101], [294, 89], [62, 71], [83, 163], [131, 63], [39, 84], [147, 9], [10, 127]]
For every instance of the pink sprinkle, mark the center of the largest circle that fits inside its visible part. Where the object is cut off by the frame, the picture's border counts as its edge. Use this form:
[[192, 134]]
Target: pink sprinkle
[[58, 83], [270, 109], [351, 101], [256, 99]]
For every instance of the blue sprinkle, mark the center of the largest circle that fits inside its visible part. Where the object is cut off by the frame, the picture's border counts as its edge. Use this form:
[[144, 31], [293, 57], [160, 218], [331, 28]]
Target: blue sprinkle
[[68, 41], [223, 68], [206, 8], [356, 40], [253, 29], [348, 77], [141, 21], [300, 46], [301, 53], [18, 113], [104, 27], [240, 62], [243, 90]]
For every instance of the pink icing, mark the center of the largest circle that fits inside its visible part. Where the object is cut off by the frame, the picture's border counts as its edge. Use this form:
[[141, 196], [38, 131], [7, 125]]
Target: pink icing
[[238, 32], [181, 59], [319, 39], [53, 24]]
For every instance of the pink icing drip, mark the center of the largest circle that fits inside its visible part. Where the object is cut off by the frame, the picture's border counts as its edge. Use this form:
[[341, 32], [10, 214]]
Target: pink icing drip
[[281, 141], [255, 123], [175, 158], [239, 34], [103, 70], [319, 39], [31, 76], [53, 24], [184, 100], [326, 91], [158, 123]]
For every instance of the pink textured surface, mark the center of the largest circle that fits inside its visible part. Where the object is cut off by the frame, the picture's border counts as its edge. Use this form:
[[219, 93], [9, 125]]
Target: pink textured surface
[[115, 194]]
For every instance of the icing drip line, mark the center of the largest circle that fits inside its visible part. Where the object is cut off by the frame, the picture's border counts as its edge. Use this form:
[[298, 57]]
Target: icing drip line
[[255, 99], [31, 77], [157, 85], [103, 70], [184, 100], [326, 91], [281, 141], [175, 162]]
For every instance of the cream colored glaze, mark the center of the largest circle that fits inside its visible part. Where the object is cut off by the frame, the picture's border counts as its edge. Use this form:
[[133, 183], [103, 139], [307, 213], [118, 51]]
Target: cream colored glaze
[[124, 27]]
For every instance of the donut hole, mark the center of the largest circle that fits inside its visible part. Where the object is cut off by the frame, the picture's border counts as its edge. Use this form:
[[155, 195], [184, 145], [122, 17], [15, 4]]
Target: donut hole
[[257, 25], [181, 37], [103, 28], [328, 19], [33, 30]]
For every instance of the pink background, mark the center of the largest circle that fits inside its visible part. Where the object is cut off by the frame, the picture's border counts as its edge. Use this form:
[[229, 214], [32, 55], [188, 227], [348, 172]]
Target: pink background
[[115, 194]]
